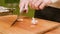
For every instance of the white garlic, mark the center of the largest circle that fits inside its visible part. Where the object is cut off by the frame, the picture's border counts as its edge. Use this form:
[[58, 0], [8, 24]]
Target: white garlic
[[20, 20], [34, 21]]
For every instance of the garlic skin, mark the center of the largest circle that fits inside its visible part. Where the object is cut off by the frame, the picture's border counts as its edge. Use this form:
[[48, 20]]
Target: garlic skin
[[34, 21]]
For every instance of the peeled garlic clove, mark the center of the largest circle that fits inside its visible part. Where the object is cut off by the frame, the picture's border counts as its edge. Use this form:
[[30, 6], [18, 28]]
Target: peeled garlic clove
[[20, 20]]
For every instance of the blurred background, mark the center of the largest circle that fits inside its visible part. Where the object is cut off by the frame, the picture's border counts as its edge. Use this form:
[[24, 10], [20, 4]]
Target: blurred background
[[14, 4]]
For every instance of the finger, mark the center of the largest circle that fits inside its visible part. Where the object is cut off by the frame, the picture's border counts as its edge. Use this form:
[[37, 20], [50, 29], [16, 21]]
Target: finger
[[37, 4], [26, 7], [22, 5], [47, 2], [42, 5], [31, 4], [34, 2]]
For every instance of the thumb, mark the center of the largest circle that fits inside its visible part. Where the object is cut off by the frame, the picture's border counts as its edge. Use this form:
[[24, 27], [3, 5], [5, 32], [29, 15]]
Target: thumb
[[21, 7], [26, 7]]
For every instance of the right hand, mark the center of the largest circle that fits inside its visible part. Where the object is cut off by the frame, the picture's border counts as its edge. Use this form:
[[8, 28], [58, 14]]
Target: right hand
[[39, 4], [23, 6]]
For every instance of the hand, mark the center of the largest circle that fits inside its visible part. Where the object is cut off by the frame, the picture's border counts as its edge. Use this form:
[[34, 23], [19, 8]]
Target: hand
[[23, 6], [39, 4]]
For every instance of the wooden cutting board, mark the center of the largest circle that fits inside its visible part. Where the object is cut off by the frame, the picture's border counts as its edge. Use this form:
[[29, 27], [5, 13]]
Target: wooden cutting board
[[25, 26], [55, 31], [7, 20], [41, 26]]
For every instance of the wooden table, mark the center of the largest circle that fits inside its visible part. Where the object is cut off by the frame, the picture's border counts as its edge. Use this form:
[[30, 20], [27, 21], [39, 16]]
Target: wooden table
[[25, 26]]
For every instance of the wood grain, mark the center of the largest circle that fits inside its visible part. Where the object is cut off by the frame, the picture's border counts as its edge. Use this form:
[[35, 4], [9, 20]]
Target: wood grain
[[24, 27], [6, 21], [55, 31]]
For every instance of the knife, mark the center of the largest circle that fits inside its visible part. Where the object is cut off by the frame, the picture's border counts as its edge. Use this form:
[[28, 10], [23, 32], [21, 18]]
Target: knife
[[21, 14]]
